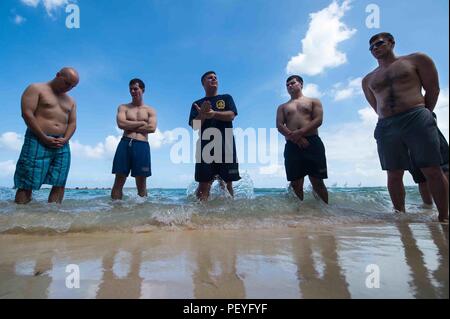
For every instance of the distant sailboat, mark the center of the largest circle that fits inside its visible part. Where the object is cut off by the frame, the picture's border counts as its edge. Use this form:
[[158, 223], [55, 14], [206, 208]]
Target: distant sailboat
[[334, 185], [359, 185], [345, 185]]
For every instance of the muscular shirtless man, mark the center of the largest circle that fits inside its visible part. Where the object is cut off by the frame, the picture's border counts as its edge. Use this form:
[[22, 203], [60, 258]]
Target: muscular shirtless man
[[406, 127], [50, 115], [298, 120], [133, 152]]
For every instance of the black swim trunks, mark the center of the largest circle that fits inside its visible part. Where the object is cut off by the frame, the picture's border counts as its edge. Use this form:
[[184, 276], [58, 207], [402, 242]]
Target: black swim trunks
[[411, 135], [300, 162], [222, 159], [417, 174]]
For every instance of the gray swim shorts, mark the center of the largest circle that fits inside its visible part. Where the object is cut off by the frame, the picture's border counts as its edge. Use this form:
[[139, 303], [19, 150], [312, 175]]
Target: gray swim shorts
[[412, 133]]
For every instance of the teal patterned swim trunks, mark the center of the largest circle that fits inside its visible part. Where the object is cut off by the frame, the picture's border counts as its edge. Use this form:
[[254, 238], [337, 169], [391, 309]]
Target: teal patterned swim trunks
[[39, 164]]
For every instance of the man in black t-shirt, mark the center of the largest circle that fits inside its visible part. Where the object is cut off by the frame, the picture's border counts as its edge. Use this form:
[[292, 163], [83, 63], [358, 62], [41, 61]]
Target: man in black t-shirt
[[216, 148]]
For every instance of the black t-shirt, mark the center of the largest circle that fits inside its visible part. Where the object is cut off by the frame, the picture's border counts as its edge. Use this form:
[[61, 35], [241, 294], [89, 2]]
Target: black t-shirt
[[219, 103]]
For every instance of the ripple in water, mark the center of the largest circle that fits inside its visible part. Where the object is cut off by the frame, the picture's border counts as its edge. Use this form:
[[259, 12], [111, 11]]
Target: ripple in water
[[93, 210]]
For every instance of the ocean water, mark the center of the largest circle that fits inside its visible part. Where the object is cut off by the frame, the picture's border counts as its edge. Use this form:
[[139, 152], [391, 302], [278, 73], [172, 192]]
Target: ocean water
[[92, 210]]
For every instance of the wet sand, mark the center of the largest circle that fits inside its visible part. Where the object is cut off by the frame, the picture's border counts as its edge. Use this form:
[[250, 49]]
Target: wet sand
[[292, 263]]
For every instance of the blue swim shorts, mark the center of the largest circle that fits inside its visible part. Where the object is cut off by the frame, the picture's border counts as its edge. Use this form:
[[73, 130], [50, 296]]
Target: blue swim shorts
[[132, 155]]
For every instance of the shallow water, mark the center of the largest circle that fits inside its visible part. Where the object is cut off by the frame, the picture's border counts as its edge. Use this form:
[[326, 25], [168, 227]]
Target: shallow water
[[92, 210]]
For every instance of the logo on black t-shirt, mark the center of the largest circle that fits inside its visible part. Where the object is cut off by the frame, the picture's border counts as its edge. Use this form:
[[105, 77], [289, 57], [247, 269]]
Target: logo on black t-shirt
[[220, 104]]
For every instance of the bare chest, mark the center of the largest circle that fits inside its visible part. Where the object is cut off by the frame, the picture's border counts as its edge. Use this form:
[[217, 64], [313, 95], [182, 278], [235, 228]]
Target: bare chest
[[298, 109], [396, 74], [52, 103], [137, 114]]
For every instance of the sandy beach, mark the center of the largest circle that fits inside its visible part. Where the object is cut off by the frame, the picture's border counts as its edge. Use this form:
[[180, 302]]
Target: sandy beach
[[411, 260]]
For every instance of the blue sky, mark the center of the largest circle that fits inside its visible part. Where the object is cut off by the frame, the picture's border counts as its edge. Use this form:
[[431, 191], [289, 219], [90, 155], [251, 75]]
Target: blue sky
[[169, 44]]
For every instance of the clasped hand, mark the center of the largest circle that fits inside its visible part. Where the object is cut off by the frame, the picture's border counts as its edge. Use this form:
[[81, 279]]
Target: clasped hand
[[205, 110]]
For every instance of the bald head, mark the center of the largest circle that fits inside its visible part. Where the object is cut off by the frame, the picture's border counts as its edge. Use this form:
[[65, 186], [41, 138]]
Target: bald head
[[66, 79], [70, 73]]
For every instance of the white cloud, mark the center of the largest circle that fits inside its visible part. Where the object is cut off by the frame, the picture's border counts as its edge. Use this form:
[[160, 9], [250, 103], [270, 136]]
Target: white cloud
[[93, 152], [50, 5], [31, 3], [11, 141], [312, 90], [159, 138], [352, 88], [352, 151], [353, 141], [7, 168], [19, 20], [275, 168], [442, 112], [319, 47], [107, 148]]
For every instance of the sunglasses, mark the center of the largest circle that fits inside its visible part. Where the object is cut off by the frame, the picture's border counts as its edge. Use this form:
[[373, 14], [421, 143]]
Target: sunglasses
[[377, 44]]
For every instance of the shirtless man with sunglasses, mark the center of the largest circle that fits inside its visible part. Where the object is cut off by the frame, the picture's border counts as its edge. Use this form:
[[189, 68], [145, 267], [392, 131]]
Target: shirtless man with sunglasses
[[406, 130]]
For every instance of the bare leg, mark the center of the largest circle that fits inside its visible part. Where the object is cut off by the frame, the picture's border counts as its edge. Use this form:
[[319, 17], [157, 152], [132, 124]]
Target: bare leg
[[203, 191], [297, 186], [141, 184], [56, 195], [23, 196], [396, 189], [230, 188], [425, 194], [438, 185], [116, 192], [320, 188]]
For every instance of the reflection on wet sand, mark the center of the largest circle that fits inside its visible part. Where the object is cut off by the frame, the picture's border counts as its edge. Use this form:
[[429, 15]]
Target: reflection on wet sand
[[420, 282], [116, 285], [215, 273], [313, 281], [28, 279], [439, 235], [422, 278], [321, 262]]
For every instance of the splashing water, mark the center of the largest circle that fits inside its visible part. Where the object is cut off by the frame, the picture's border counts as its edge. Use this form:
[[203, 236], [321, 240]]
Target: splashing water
[[93, 210]]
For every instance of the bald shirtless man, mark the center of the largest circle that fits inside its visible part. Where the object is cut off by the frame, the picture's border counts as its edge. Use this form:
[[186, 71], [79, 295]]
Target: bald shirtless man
[[406, 127], [50, 115], [298, 120], [133, 152]]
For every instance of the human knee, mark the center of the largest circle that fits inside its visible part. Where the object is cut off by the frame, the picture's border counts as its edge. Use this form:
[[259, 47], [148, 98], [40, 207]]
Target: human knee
[[120, 180], [432, 173], [395, 176], [296, 184], [317, 183]]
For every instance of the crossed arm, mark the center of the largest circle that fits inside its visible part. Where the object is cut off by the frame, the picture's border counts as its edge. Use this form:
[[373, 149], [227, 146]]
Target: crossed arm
[[143, 127]]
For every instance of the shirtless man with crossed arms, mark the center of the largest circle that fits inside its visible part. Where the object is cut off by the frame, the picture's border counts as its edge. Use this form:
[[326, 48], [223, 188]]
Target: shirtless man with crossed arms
[[138, 120]]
